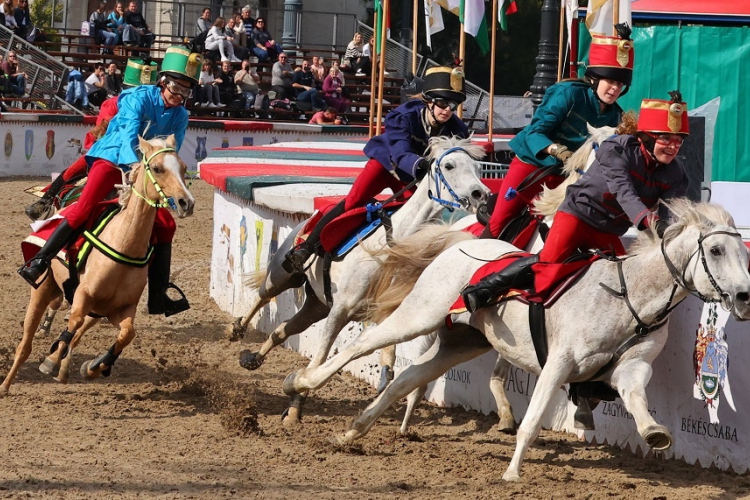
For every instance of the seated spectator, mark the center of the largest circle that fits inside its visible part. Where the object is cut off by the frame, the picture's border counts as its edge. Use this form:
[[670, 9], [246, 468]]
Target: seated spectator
[[227, 87], [332, 90], [247, 81], [281, 77], [240, 34], [23, 18], [319, 71], [136, 30], [355, 56], [264, 46], [240, 50], [116, 19], [103, 30], [367, 53], [304, 86], [95, 85], [249, 24], [217, 39], [76, 94], [113, 80], [204, 22], [14, 73], [7, 88], [208, 91], [327, 117], [8, 11]]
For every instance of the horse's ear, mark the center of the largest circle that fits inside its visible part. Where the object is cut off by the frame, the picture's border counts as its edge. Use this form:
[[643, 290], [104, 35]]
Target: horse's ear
[[144, 146], [592, 130], [171, 142]]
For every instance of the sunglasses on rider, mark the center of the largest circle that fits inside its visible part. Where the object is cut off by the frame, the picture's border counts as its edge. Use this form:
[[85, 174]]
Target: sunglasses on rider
[[444, 103], [668, 139], [175, 88]]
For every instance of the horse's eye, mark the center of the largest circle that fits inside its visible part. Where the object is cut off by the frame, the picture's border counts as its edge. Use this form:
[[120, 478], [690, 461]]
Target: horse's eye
[[716, 251], [449, 166], [158, 170]]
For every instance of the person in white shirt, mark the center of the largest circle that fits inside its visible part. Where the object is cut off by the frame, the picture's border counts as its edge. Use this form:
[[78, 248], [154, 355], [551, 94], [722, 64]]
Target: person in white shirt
[[218, 39], [6, 8], [95, 85], [208, 91]]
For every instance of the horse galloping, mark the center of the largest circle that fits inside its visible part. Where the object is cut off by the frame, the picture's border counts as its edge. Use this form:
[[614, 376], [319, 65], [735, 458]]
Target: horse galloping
[[109, 288], [701, 253]]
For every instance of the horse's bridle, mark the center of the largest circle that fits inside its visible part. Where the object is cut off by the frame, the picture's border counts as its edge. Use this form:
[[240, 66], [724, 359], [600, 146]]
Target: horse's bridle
[[440, 182], [166, 202]]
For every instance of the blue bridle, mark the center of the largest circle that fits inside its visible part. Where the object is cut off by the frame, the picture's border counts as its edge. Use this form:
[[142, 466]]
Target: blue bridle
[[440, 182]]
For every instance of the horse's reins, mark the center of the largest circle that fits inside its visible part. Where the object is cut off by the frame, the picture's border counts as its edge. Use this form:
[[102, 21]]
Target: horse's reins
[[439, 179], [167, 202]]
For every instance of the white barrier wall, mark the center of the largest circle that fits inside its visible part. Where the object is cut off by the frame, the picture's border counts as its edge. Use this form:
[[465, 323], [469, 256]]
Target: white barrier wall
[[246, 234]]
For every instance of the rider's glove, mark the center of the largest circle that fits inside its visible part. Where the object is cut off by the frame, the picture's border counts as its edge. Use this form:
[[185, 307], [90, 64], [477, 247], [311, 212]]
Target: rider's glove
[[560, 152], [660, 225], [423, 168]]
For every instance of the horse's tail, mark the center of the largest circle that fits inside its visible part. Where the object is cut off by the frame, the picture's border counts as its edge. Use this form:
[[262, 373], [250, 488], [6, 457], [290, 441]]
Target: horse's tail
[[255, 279], [403, 263]]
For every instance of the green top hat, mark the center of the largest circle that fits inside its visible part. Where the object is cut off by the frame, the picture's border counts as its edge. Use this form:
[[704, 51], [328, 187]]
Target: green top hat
[[179, 61], [139, 73]]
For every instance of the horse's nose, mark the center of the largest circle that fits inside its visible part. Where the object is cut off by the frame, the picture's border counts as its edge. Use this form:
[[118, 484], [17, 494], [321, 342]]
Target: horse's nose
[[185, 207], [479, 194]]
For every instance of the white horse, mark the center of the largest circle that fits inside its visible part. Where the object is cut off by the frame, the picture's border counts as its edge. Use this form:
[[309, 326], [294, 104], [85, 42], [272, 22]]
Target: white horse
[[454, 173], [701, 253]]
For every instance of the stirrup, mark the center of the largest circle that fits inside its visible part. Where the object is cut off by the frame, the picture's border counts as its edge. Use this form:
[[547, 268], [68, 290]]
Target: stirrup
[[295, 260], [30, 274], [172, 307]]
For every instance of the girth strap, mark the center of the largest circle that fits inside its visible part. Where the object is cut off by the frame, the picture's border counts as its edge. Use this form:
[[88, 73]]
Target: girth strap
[[538, 331], [327, 259], [116, 256]]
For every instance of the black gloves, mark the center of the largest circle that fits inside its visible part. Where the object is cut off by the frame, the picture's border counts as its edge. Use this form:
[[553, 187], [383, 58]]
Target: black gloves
[[423, 168], [660, 225], [560, 152]]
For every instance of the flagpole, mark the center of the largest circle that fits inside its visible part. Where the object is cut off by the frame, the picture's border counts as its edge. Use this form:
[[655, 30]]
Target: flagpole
[[615, 15], [381, 72], [461, 57], [374, 67], [491, 116], [561, 45], [415, 39]]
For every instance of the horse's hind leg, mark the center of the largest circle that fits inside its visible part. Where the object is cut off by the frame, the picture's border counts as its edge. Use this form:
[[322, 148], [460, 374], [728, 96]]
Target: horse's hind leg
[[312, 310], [40, 299], [102, 364], [412, 400], [64, 373], [239, 327], [455, 346], [49, 316], [387, 362], [498, 382]]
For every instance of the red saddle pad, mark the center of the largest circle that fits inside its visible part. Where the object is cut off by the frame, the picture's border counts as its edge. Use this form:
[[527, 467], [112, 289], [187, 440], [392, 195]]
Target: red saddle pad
[[345, 225]]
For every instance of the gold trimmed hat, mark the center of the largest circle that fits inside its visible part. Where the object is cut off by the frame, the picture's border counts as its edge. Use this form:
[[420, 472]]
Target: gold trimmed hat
[[180, 62], [138, 72], [664, 117], [444, 83]]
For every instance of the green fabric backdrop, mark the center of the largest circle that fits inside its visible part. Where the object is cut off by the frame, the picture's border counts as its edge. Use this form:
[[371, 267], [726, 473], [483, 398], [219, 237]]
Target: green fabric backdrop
[[704, 62]]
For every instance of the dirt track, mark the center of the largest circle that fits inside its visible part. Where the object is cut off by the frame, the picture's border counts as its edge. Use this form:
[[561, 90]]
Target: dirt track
[[177, 418]]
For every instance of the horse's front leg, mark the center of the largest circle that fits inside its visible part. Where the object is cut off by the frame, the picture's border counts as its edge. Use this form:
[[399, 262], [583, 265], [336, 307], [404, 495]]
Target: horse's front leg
[[102, 364], [553, 375], [82, 305], [498, 381], [64, 373], [387, 363], [631, 378]]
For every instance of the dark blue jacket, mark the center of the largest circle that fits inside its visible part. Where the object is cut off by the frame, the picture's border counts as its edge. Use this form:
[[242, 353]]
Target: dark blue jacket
[[405, 139]]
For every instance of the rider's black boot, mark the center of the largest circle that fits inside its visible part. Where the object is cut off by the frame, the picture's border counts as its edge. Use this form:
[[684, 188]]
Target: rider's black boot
[[517, 275], [296, 258], [36, 267], [42, 208], [158, 284]]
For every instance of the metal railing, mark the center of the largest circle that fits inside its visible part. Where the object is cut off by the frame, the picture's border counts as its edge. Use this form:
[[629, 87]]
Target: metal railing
[[46, 76]]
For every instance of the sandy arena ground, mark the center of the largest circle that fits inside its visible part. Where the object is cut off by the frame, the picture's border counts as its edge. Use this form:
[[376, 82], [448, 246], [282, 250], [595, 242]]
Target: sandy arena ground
[[179, 418]]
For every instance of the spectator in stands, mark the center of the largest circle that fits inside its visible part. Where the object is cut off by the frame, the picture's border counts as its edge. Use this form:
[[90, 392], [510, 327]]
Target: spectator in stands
[[116, 19], [204, 22], [136, 30], [240, 50], [95, 85], [76, 94], [23, 18], [103, 30], [249, 24], [247, 80], [7, 10], [319, 71], [367, 54], [225, 79], [217, 39], [240, 34], [355, 56], [281, 77], [327, 117], [304, 86], [6, 87], [14, 73], [113, 80], [332, 90], [208, 91], [264, 46]]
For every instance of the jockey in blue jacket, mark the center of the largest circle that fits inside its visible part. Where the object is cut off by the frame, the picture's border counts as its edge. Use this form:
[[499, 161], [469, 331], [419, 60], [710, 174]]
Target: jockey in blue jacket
[[397, 156], [149, 111]]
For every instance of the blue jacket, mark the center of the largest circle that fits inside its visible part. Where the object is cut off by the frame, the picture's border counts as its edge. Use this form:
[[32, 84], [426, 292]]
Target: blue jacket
[[561, 119], [405, 139], [140, 111]]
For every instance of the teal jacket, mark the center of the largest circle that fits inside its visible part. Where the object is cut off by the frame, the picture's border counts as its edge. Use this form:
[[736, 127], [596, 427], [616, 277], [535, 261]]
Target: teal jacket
[[140, 111], [561, 119]]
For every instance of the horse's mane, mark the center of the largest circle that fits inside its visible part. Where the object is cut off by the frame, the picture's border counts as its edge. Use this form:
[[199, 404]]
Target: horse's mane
[[439, 144], [685, 213], [158, 142]]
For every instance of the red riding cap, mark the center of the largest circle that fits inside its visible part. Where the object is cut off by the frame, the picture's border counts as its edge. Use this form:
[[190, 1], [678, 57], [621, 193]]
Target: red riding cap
[[663, 117], [611, 58]]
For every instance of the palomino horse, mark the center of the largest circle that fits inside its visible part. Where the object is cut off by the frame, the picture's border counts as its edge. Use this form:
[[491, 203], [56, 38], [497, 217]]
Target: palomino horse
[[109, 288], [454, 172], [701, 253]]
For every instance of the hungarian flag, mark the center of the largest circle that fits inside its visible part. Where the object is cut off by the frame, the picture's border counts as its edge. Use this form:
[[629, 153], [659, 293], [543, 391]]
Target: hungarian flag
[[507, 8], [475, 23]]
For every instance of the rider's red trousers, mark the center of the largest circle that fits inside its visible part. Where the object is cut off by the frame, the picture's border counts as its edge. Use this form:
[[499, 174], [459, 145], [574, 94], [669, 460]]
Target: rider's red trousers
[[371, 182], [569, 233]]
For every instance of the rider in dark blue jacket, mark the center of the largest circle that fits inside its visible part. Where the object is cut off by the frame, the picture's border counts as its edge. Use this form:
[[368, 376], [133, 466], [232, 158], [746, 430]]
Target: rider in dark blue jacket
[[397, 156]]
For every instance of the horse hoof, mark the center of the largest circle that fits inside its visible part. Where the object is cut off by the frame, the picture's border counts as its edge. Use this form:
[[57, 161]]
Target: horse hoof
[[49, 367], [236, 330], [290, 417], [657, 437], [250, 360], [3, 391], [511, 477], [288, 386], [386, 377], [85, 373], [62, 380]]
